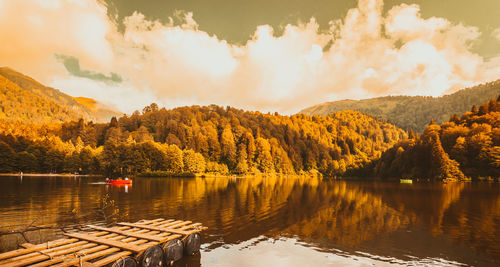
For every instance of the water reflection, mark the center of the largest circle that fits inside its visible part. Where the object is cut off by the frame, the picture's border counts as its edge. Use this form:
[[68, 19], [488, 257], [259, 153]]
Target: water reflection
[[356, 221]]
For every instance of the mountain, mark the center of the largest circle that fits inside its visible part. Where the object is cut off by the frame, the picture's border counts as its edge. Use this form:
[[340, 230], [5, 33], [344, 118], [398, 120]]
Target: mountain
[[17, 104], [195, 139], [413, 112], [24, 99], [465, 147]]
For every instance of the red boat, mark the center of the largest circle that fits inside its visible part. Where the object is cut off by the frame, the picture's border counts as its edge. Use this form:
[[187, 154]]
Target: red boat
[[120, 182]]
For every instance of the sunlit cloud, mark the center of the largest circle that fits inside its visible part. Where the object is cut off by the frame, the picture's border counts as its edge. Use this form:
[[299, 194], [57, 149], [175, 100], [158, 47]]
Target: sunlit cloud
[[496, 34], [123, 96], [366, 54]]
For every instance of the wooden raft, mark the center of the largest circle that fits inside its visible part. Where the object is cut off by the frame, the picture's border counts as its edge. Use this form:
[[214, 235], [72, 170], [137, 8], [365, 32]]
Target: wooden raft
[[102, 246]]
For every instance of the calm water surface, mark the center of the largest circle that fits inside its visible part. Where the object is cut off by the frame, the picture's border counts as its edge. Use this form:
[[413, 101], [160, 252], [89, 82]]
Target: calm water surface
[[284, 221]]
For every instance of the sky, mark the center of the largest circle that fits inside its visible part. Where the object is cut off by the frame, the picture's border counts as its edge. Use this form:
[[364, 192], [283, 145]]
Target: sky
[[271, 55]]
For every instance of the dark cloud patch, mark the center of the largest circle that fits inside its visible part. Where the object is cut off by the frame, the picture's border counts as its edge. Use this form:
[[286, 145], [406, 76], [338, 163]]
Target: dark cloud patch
[[72, 65]]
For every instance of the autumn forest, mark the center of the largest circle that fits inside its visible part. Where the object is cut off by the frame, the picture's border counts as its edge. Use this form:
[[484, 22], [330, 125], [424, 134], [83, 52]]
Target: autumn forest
[[46, 137], [196, 139]]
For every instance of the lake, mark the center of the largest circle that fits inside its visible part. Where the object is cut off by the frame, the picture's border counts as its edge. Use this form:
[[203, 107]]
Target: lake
[[282, 221]]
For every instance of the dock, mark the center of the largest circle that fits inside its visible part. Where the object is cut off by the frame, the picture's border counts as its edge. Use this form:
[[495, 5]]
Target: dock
[[145, 243]]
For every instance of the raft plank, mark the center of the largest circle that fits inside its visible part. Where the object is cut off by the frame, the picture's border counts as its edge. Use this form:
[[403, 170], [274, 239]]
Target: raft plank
[[173, 224], [76, 261], [98, 251], [130, 234], [141, 230], [27, 245], [79, 248], [85, 258], [170, 230], [45, 256], [197, 226], [67, 257], [41, 252], [112, 258], [177, 224], [153, 221], [108, 242], [191, 225], [47, 245], [164, 221], [165, 224]]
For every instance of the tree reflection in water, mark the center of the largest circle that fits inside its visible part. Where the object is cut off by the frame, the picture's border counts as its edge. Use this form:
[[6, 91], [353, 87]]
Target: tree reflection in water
[[460, 221]]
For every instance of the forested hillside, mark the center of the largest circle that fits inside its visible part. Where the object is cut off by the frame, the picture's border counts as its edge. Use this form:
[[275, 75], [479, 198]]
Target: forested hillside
[[21, 105], [30, 101], [413, 112], [466, 146], [199, 140]]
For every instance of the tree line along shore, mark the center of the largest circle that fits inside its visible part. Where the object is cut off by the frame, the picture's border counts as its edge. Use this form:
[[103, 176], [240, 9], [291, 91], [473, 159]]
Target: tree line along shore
[[190, 140], [213, 140]]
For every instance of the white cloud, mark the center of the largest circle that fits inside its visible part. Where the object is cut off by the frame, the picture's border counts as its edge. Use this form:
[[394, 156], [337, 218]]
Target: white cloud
[[122, 96], [35, 30], [367, 54], [496, 34]]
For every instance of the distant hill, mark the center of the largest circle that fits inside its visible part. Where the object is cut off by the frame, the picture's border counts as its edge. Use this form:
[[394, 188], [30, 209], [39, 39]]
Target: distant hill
[[24, 99], [413, 112], [465, 147], [17, 104]]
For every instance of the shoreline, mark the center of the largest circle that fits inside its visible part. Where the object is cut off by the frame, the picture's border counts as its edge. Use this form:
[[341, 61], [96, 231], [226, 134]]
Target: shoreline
[[50, 174], [213, 175]]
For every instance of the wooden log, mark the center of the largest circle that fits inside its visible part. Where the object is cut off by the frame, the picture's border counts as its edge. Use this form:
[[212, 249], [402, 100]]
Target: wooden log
[[76, 261], [170, 230], [169, 223], [42, 257], [159, 220], [69, 257], [44, 251], [105, 250], [108, 255], [141, 230], [108, 242], [196, 226], [27, 245], [131, 240], [166, 235], [130, 234], [47, 245], [176, 225], [112, 258], [190, 226]]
